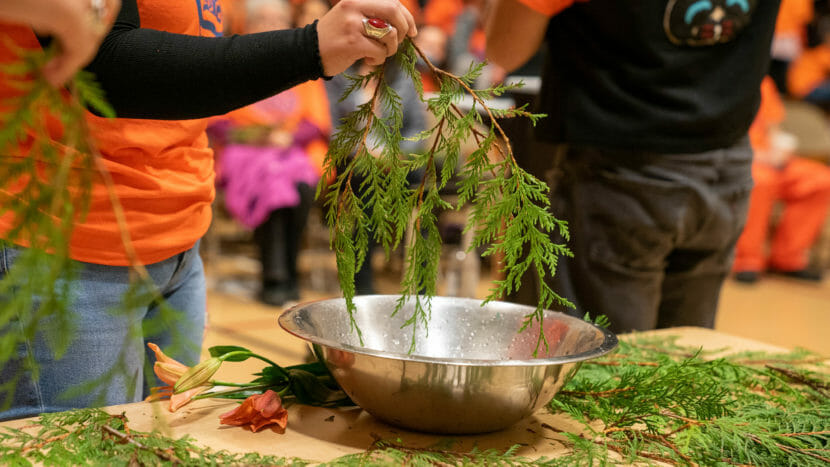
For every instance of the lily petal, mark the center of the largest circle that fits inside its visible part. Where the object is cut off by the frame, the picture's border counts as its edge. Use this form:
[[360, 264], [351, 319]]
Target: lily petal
[[178, 401], [257, 412], [169, 372]]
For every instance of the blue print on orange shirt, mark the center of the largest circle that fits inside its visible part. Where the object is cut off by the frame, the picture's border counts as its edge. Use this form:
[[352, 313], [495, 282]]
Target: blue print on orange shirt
[[210, 16]]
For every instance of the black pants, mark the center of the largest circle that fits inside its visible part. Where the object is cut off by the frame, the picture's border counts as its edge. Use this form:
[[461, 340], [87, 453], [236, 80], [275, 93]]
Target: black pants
[[279, 239], [653, 235]]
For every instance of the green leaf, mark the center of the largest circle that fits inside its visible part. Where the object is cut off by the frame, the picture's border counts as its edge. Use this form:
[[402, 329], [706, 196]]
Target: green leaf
[[310, 390]]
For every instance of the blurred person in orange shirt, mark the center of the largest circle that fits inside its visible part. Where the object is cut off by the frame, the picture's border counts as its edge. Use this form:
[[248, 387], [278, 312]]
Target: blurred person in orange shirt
[[790, 38], [809, 75], [803, 185], [165, 68], [463, 23], [274, 159]]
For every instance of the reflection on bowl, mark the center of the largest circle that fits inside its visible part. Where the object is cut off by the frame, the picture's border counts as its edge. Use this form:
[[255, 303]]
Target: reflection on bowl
[[471, 371]]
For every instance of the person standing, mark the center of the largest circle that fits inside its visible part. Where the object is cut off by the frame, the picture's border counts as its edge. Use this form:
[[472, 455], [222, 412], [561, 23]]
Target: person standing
[[800, 184], [648, 103], [164, 68]]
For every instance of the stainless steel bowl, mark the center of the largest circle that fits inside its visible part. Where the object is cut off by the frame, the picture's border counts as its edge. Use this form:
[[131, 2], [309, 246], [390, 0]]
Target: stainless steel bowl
[[471, 371]]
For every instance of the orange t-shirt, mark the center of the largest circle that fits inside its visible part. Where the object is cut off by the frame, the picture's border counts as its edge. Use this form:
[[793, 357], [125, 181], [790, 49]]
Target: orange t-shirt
[[549, 7], [163, 170], [809, 70], [794, 16]]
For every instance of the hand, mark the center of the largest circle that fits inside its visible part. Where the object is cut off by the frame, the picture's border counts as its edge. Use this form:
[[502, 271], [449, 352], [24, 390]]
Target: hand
[[341, 39], [78, 26]]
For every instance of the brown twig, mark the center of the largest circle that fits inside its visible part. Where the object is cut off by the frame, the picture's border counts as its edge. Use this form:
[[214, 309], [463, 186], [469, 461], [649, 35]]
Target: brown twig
[[665, 442], [45, 442], [422, 186], [670, 414], [805, 361], [808, 433], [673, 353], [366, 130], [166, 455], [789, 449], [607, 363], [380, 443], [437, 71], [818, 386], [597, 393]]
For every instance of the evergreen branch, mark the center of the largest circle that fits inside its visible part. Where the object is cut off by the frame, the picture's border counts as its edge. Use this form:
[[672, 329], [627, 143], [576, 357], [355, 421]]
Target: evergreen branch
[[439, 72], [645, 416], [45, 442], [820, 387], [166, 455], [595, 393], [613, 363], [789, 449]]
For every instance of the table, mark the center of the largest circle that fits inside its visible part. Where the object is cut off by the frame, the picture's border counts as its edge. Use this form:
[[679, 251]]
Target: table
[[320, 434]]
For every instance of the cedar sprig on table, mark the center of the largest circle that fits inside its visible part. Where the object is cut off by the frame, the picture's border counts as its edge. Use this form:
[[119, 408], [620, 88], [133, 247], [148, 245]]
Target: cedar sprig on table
[[723, 411], [95, 437], [692, 408]]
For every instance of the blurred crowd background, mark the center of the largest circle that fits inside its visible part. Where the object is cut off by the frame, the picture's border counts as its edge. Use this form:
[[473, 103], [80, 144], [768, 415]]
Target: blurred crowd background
[[269, 239]]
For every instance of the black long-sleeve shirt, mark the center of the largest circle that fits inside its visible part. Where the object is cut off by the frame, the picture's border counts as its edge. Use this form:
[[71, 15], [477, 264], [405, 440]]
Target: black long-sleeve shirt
[[155, 74]]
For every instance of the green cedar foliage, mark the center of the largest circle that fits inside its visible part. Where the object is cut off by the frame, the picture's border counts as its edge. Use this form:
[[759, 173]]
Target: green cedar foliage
[[655, 401], [509, 208], [652, 401]]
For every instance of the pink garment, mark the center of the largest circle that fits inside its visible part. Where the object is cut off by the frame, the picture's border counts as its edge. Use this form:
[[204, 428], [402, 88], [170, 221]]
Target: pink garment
[[261, 179]]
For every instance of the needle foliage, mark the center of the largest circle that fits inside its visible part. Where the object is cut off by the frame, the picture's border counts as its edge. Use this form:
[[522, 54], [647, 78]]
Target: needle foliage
[[508, 208], [650, 402]]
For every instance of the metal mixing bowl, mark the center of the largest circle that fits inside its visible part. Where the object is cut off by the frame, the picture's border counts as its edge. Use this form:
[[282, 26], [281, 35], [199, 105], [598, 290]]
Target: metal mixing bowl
[[471, 371]]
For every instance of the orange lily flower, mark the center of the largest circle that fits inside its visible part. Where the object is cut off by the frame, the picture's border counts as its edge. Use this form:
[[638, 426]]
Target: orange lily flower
[[257, 412], [169, 371]]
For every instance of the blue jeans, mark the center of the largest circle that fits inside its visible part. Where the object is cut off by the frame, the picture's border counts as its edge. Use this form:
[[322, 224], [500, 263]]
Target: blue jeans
[[106, 345]]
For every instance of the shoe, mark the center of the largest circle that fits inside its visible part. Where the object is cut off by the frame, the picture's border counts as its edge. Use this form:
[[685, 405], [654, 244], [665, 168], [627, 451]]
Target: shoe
[[806, 274], [279, 295], [747, 277]]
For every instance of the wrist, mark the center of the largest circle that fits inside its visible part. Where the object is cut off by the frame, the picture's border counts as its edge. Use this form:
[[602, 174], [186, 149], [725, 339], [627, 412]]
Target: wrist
[[316, 48]]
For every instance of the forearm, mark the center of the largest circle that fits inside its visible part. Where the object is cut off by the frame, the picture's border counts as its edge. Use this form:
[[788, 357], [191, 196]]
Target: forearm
[[154, 74]]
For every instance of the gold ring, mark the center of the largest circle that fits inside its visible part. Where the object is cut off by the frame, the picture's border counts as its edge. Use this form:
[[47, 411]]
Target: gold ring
[[375, 28]]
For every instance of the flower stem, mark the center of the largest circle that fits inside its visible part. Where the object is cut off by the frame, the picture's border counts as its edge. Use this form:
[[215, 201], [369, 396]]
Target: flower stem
[[208, 395], [236, 353], [237, 385]]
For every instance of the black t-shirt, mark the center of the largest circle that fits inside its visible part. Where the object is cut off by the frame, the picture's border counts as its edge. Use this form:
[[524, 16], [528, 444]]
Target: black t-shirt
[[678, 76]]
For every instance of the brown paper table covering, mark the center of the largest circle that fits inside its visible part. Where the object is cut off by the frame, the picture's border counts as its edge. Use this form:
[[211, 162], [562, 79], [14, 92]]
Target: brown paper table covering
[[318, 434]]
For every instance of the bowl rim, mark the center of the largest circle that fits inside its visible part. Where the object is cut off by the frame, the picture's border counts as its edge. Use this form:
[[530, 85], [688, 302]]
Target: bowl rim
[[286, 322]]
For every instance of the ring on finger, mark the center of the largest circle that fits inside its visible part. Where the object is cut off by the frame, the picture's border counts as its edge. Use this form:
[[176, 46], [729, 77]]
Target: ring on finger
[[376, 28]]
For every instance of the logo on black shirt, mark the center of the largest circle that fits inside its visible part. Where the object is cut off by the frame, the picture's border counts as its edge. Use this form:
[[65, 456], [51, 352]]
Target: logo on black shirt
[[706, 22]]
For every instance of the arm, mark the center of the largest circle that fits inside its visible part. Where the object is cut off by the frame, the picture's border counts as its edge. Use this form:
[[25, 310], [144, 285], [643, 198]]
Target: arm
[[76, 25], [514, 33], [154, 74]]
